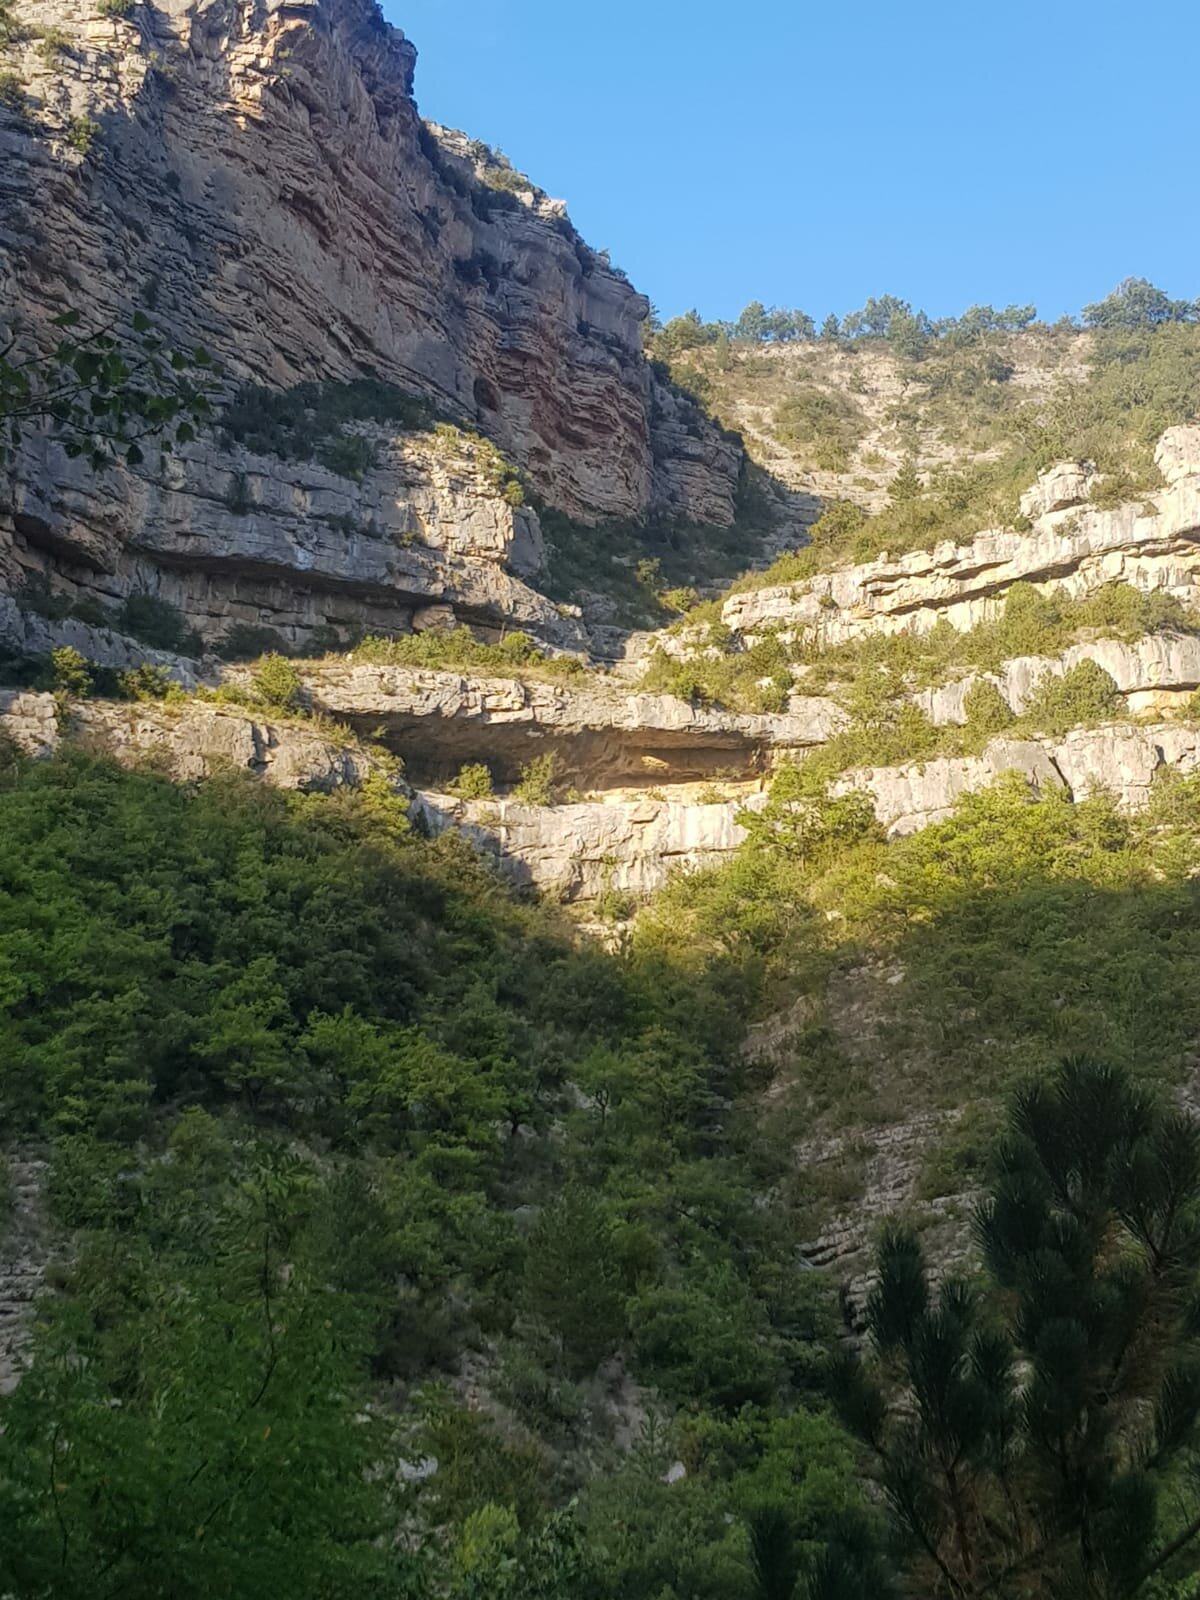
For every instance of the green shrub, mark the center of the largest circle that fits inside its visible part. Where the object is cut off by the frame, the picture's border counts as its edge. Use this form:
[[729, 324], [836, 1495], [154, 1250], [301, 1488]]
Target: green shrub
[[36, 594], [350, 455], [297, 424], [53, 43], [458, 647], [474, 782], [277, 681], [87, 608], [12, 92], [237, 496], [540, 781], [1083, 696], [681, 599], [115, 10], [72, 673], [826, 422], [246, 641], [988, 712], [82, 133], [148, 682], [157, 623]]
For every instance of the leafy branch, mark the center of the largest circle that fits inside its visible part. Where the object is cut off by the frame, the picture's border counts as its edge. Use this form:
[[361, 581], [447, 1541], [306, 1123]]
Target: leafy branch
[[102, 395]]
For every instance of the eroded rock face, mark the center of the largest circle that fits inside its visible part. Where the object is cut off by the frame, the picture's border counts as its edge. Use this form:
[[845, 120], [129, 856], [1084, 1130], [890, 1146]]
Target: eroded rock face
[[25, 633], [627, 842], [194, 739], [605, 732], [1123, 759], [24, 1251], [580, 852], [1067, 483], [1154, 672], [262, 179], [232, 538], [1077, 550]]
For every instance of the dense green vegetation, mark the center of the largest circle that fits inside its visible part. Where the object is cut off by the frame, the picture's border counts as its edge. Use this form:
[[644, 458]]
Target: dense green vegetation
[[335, 1122], [303, 1075], [1039, 928], [458, 647], [1134, 304], [643, 575], [310, 421]]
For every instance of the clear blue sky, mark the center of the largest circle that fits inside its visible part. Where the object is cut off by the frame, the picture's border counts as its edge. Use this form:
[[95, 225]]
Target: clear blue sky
[[813, 154]]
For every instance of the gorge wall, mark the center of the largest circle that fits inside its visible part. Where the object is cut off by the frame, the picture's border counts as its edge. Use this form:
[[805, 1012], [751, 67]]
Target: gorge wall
[[259, 179]]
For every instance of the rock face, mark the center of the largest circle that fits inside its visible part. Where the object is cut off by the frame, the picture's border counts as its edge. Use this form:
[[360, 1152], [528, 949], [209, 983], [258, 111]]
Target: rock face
[[1123, 759], [1068, 483], [618, 841], [1153, 673], [260, 177], [232, 538], [605, 733], [192, 740], [25, 633], [581, 852], [1077, 549]]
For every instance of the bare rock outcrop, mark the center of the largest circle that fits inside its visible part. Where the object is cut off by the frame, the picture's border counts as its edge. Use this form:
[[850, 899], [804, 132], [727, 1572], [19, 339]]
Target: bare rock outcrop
[[232, 538], [193, 739], [606, 733], [260, 178], [582, 851], [24, 1250], [1079, 549]]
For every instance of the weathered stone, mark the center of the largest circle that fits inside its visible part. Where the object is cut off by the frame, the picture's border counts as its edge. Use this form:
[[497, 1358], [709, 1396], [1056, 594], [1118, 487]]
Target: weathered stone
[[581, 851], [1073, 551], [262, 175], [908, 798], [229, 537], [1068, 483], [194, 739], [24, 633], [606, 732]]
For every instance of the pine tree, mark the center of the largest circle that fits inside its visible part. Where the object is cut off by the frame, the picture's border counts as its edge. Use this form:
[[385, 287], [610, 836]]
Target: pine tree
[[1031, 1435]]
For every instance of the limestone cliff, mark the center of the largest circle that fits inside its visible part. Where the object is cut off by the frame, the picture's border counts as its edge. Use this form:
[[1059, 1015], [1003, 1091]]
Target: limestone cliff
[[260, 177]]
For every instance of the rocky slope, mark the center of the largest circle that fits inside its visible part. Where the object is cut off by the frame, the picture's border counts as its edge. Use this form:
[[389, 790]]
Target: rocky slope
[[261, 178], [1071, 545], [876, 409]]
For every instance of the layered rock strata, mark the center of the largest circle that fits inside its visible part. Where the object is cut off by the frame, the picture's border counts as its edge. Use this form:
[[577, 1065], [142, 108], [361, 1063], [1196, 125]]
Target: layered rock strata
[[1075, 548], [260, 179], [582, 850], [605, 734], [191, 739]]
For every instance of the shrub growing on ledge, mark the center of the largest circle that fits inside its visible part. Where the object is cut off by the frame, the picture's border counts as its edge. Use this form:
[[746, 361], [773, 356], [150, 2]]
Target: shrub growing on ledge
[[1084, 695], [460, 648], [540, 781], [307, 421], [474, 782], [159, 624], [277, 681]]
